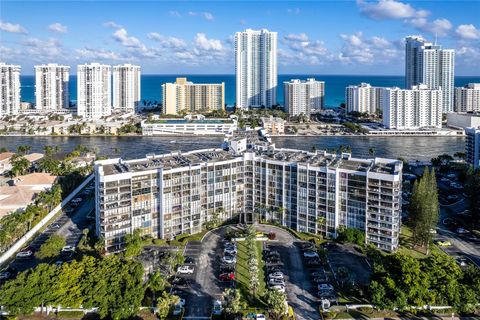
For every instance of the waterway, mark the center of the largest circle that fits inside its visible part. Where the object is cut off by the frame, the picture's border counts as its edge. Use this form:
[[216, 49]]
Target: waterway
[[417, 148]]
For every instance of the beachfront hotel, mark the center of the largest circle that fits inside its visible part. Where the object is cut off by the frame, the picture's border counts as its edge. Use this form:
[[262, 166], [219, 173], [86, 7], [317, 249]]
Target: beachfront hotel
[[256, 68], [52, 87], [472, 147], [126, 87], [9, 89], [418, 107], [363, 98], [300, 97], [467, 98], [189, 97], [94, 90], [176, 193], [427, 63]]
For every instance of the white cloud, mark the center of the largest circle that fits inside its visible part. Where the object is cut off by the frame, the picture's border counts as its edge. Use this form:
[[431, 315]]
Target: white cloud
[[468, 32], [112, 24], [357, 49], [96, 54], [294, 10], [58, 27], [302, 50], [121, 36], [296, 37], [206, 15], [440, 27], [389, 9], [13, 28], [166, 41], [41, 50], [203, 43], [174, 13]]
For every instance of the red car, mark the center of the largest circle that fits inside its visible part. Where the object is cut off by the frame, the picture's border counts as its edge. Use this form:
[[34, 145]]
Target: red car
[[227, 276]]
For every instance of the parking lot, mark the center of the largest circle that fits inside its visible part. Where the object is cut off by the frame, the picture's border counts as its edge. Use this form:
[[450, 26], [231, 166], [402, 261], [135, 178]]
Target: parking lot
[[69, 224], [344, 257]]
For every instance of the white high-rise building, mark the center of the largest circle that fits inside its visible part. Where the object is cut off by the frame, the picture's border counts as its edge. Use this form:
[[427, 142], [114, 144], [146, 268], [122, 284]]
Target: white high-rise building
[[52, 87], [302, 96], [256, 68], [9, 89], [126, 87], [467, 98], [414, 108], [94, 90], [429, 64], [363, 98]]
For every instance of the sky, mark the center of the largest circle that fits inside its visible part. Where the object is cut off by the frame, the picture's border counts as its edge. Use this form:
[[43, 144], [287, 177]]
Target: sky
[[196, 37]]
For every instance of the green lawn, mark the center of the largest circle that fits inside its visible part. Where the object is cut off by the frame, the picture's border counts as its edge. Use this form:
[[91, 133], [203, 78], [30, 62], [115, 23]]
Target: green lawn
[[242, 275], [407, 247]]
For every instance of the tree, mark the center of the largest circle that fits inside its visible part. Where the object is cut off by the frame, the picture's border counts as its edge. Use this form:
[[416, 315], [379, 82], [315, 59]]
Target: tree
[[233, 301], [3, 149], [164, 304], [276, 302], [424, 208], [372, 151], [23, 150], [321, 225], [51, 248], [133, 244], [19, 165]]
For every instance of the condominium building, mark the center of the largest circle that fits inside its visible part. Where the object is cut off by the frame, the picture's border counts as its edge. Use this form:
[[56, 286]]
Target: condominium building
[[192, 97], [189, 126], [52, 91], [302, 96], [256, 68], [467, 98], [472, 147], [273, 125], [9, 89], [171, 194], [418, 107], [363, 98], [427, 63], [126, 87], [94, 90]]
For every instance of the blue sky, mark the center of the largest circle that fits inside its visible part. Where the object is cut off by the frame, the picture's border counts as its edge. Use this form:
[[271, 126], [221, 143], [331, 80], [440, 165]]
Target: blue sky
[[166, 37]]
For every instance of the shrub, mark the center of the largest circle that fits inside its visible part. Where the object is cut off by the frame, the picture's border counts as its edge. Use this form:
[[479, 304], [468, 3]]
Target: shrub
[[70, 314], [272, 236]]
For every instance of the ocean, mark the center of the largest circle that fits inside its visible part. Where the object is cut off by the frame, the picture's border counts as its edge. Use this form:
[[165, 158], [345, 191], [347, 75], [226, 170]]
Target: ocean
[[334, 85]]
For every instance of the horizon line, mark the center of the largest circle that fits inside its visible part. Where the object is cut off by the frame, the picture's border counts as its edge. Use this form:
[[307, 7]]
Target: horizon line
[[280, 74]]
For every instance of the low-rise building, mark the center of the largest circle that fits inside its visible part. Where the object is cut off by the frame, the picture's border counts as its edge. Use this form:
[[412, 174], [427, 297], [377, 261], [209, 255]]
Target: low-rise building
[[171, 194], [197, 125], [467, 98], [22, 190], [472, 147], [273, 125], [462, 120], [6, 156]]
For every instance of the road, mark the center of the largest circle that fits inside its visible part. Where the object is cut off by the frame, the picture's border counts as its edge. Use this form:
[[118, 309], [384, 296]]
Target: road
[[69, 226]]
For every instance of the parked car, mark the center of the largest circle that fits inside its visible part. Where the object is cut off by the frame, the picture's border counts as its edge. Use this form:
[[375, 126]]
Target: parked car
[[69, 210], [229, 259], [445, 243], [461, 261], [319, 273], [446, 180], [25, 254], [77, 200], [272, 268], [276, 282], [58, 263], [185, 270], [260, 316], [452, 197], [325, 286], [310, 254], [230, 251], [227, 276], [4, 275], [276, 275], [68, 249], [322, 279], [307, 246], [225, 268], [314, 262], [177, 310], [189, 260], [462, 231], [217, 308], [181, 282]]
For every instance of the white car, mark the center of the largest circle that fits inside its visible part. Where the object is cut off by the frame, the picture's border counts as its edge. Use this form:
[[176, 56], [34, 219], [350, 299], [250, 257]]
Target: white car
[[276, 282], [177, 310], [229, 259], [276, 275], [462, 231], [24, 254], [77, 200], [260, 316], [278, 288], [325, 287], [230, 251], [185, 270], [68, 249], [310, 254], [182, 302]]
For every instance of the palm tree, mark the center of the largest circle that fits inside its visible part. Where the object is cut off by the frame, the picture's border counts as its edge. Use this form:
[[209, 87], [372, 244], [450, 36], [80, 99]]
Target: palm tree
[[321, 224], [23, 149], [372, 151], [19, 164]]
